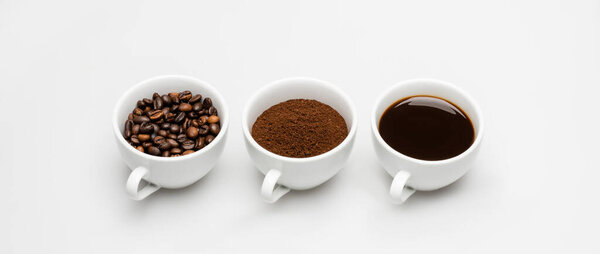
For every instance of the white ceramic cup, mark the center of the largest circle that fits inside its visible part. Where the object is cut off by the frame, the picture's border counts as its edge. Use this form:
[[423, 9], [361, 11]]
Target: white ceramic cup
[[171, 172], [285, 173], [412, 174]]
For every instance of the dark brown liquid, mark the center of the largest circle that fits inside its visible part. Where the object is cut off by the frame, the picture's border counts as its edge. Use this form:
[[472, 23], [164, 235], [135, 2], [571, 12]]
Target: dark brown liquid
[[426, 128]]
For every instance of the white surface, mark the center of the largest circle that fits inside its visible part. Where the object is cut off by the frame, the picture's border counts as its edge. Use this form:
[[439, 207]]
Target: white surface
[[532, 66]]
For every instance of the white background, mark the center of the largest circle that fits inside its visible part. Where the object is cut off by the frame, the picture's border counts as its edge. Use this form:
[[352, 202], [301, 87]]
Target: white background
[[533, 66]]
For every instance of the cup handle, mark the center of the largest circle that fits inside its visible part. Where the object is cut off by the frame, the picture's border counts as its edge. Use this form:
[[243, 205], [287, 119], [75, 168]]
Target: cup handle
[[133, 183], [270, 190], [399, 191]]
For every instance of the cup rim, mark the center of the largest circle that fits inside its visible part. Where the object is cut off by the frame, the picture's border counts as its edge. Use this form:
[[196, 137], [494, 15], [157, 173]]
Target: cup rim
[[204, 85], [282, 81], [476, 110]]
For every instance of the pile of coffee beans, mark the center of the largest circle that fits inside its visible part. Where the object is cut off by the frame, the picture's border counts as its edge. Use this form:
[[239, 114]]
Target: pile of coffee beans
[[173, 124]]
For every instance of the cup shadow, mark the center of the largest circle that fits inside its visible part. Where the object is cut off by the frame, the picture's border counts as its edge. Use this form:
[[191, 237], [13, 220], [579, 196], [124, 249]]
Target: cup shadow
[[424, 197], [295, 196], [196, 190]]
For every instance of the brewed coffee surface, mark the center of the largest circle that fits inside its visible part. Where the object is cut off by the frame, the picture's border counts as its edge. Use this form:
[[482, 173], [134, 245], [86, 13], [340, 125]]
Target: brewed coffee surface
[[426, 128]]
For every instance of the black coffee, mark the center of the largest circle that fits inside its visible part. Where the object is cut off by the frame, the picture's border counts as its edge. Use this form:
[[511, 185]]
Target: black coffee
[[427, 128]]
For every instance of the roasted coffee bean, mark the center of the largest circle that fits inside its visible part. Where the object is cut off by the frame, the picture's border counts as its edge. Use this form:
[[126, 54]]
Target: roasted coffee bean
[[174, 128], [203, 120], [144, 137], [172, 136], [164, 146], [185, 124], [166, 110], [192, 114], [166, 100], [175, 150], [175, 155], [147, 109], [170, 117], [166, 154], [147, 102], [203, 130], [163, 133], [140, 148], [155, 95], [159, 139], [200, 143], [134, 140], [192, 132], [154, 150], [214, 128], [155, 128], [196, 123], [185, 96], [130, 116], [140, 119], [207, 103], [156, 115], [181, 137], [213, 119], [175, 108], [146, 145], [180, 117], [188, 144], [128, 125], [140, 104], [209, 139], [128, 128], [165, 126], [146, 128], [175, 100], [212, 111], [197, 106], [136, 129], [195, 98], [188, 152], [173, 142], [185, 107], [158, 102], [138, 111]]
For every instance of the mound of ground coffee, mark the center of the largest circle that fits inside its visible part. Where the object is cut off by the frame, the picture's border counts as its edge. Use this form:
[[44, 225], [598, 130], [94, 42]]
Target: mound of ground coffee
[[299, 128]]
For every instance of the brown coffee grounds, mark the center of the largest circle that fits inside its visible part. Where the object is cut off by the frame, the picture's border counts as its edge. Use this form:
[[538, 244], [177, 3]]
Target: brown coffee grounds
[[299, 128]]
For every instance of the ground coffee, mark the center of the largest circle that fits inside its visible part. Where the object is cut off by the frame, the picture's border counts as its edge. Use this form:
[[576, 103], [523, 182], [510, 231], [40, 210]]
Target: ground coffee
[[299, 128]]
